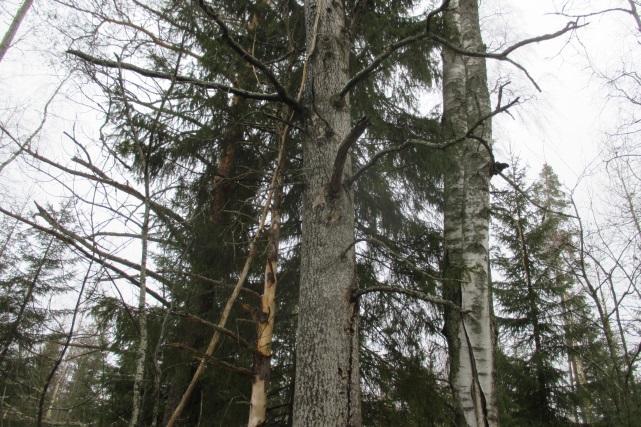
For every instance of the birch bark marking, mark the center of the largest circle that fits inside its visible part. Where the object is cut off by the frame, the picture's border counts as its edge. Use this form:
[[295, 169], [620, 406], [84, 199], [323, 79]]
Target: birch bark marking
[[142, 309], [466, 223], [327, 378]]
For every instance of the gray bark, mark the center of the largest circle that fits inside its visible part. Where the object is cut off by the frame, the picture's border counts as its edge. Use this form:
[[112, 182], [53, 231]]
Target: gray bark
[[327, 377], [466, 223], [13, 28]]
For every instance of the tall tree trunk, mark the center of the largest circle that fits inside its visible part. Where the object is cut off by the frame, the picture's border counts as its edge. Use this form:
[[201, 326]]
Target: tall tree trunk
[[13, 28], [139, 375], [466, 223], [576, 370], [327, 376]]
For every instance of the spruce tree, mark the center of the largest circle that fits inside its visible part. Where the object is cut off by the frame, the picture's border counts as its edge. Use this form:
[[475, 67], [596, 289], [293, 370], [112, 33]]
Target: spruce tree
[[543, 319]]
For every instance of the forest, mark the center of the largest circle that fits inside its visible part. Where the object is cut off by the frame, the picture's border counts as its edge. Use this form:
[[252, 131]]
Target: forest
[[302, 213]]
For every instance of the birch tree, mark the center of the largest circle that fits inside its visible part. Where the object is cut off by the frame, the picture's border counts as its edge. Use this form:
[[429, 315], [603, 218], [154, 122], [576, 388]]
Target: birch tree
[[11, 32], [466, 221]]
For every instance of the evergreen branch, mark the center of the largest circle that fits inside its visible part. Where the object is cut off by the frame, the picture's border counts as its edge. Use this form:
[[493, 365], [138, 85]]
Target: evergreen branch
[[280, 89], [390, 50], [182, 79], [440, 146], [215, 327], [89, 254], [334, 185], [529, 199], [395, 255], [409, 292], [374, 159]]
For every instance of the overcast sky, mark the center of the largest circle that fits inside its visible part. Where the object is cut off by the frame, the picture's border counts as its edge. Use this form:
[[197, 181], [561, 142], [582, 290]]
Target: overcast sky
[[564, 125]]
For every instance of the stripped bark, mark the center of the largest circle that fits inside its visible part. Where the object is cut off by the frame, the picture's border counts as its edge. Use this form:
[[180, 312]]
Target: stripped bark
[[267, 316], [215, 338], [327, 388], [466, 222]]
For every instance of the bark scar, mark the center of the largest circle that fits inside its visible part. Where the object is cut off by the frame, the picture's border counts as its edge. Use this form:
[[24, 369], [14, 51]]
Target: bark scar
[[475, 376]]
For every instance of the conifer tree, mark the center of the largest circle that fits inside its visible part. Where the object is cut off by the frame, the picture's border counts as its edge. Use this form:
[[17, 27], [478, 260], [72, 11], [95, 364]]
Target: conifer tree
[[543, 319]]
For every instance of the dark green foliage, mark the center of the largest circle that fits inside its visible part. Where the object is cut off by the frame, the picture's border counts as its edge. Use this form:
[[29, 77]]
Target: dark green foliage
[[543, 319]]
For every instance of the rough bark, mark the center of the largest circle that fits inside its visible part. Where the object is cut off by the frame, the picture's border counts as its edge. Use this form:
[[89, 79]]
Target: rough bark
[[13, 28], [466, 223], [327, 377]]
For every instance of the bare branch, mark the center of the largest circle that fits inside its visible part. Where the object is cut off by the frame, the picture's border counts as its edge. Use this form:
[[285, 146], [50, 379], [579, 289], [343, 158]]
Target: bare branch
[[182, 79], [334, 185], [280, 89], [374, 159], [391, 49], [409, 292], [13, 28], [503, 55]]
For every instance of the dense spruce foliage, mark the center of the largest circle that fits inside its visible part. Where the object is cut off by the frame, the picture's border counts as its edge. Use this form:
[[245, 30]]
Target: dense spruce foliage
[[207, 112]]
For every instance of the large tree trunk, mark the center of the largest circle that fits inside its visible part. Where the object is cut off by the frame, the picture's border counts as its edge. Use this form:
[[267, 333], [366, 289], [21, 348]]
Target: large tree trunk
[[327, 377], [466, 223]]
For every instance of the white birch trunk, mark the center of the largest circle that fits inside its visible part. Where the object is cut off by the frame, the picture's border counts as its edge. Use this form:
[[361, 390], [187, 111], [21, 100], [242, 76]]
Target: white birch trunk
[[142, 313], [327, 378], [466, 223], [5, 44]]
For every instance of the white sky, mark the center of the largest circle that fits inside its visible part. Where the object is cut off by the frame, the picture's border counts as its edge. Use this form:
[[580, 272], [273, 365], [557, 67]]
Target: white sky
[[564, 125]]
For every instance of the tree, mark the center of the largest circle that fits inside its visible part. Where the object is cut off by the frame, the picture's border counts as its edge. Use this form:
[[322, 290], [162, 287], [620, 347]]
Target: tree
[[227, 119], [466, 221], [543, 320], [11, 32]]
